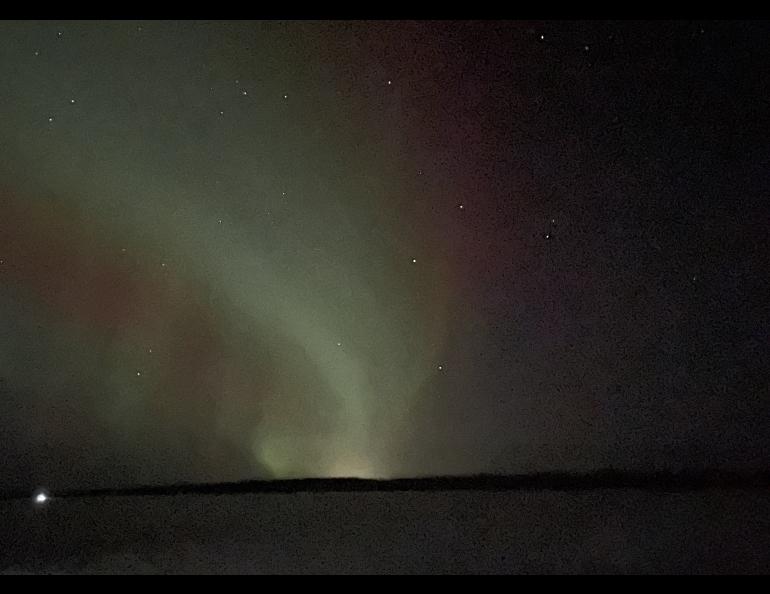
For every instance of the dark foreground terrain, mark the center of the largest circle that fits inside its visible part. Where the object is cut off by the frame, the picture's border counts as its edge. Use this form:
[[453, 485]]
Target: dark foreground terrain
[[478, 525]]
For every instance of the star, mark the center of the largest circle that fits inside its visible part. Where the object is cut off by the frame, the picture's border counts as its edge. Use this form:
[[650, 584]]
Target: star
[[50, 119], [285, 96], [462, 207], [37, 52], [441, 368], [41, 498], [542, 37], [414, 260], [138, 374], [244, 93], [548, 236], [390, 82], [72, 102]]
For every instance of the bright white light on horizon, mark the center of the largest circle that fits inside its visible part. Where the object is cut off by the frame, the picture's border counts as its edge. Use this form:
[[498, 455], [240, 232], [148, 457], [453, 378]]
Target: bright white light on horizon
[[352, 467]]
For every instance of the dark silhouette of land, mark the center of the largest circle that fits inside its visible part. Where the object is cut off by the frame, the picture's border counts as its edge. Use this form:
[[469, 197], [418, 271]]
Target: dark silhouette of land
[[682, 481], [604, 522]]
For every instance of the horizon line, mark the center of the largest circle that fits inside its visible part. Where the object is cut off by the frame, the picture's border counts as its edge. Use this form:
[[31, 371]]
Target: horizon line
[[664, 480]]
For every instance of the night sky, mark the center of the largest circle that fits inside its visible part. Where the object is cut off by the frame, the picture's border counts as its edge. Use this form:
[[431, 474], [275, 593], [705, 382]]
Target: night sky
[[286, 249]]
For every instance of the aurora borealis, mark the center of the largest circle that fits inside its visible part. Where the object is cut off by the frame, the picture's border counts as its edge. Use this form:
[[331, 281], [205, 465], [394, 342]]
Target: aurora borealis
[[271, 249]]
